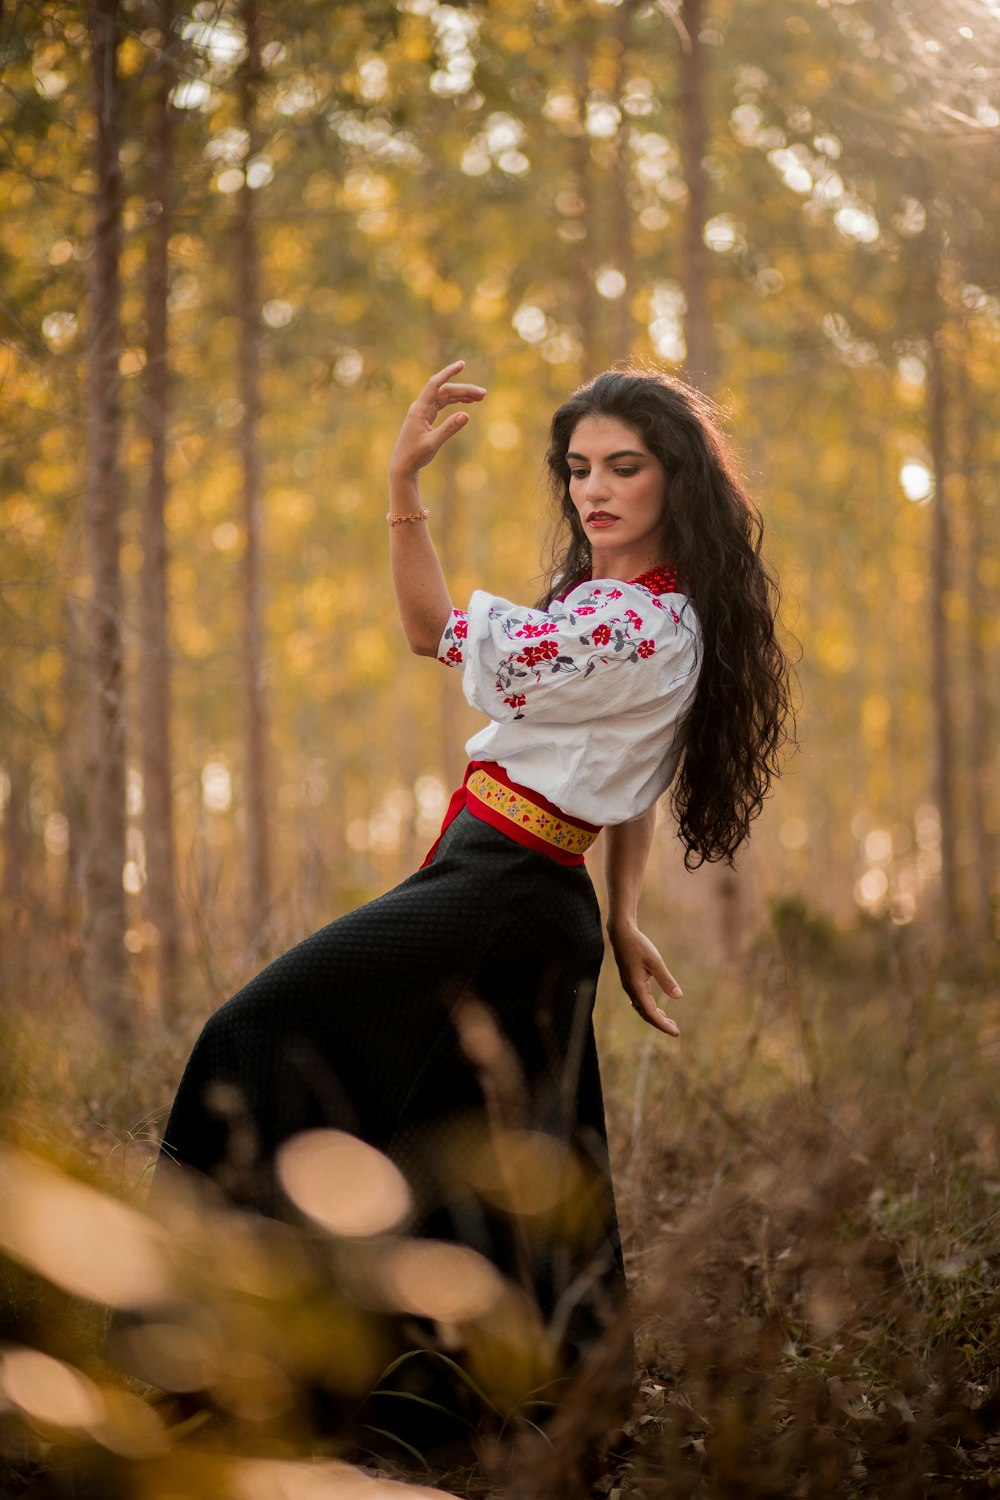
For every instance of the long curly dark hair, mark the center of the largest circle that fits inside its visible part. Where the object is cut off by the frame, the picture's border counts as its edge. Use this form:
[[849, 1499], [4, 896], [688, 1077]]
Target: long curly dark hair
[[742, 715]]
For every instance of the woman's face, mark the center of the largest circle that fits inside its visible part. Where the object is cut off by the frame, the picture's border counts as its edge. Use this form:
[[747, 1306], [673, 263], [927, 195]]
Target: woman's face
[[619, 490]]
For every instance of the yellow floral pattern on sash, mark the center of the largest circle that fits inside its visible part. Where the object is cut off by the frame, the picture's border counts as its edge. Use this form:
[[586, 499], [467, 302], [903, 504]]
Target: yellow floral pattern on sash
[[528, 815]]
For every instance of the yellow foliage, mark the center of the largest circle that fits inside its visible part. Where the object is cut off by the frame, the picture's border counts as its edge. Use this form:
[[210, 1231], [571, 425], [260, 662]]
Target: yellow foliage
[[133, 56], [22, 516], [351, 306], [419, 276], [287, 251], [368, 655], [486, 309], [912, 586], [291, 508], [321, 190], [194, 638], [364, 189], [48, 479], [516, 39], [414, 43], [876, 712], [318, 603], [603, 73], [835, 651], [446, 297]]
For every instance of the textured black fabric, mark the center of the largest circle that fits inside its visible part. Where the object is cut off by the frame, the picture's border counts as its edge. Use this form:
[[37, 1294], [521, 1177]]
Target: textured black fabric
[[360, 1028]]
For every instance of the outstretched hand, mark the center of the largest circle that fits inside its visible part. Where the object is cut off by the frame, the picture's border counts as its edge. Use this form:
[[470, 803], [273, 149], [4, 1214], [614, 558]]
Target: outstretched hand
[[639, 963], [419, 439]]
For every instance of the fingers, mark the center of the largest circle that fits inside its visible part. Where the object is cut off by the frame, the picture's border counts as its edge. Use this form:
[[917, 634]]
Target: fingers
[[442, 390], [646, 1007], [449, 393], [448, 429], [668, 984], [441, 376], [638, 967]]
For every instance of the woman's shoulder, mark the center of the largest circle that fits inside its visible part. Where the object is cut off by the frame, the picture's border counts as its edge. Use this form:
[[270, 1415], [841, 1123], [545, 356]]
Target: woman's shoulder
[[616, 597]]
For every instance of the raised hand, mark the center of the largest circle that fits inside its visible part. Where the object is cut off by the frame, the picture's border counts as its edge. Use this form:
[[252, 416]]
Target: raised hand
[[419, 438]]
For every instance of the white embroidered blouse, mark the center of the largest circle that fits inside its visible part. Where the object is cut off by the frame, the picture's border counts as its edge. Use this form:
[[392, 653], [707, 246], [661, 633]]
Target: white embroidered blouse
[[586, 698]]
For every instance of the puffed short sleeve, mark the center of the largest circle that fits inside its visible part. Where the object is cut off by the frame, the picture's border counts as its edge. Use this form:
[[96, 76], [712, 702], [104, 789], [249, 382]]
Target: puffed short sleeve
[[606, 649]]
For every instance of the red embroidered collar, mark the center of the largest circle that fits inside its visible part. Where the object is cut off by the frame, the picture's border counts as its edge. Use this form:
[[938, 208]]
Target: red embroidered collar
[[659, 580]]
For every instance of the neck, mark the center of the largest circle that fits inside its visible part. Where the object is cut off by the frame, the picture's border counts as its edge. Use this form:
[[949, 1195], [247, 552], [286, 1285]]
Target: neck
[[625, 564]]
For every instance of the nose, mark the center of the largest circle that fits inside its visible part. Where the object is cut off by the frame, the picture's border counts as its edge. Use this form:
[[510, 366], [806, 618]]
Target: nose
[[594, 486]]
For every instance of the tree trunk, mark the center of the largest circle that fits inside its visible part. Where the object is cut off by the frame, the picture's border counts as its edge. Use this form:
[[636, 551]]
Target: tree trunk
[[621, 208], [980, 715], [104, 922], [16, 838], [248, 284], [584, 259], [72, 761], [942, 709], [699, 331], [729, 890], [154, 662]]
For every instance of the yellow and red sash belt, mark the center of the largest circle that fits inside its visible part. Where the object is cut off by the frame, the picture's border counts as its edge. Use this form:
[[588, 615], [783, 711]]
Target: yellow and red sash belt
[[523, 815]]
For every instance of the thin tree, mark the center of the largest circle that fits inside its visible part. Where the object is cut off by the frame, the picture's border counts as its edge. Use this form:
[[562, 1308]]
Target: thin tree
[[942, 706], [621, 208], [699, 332], [980, 707], [105, 916], [702, 364], [154, 658], [584, 258], [255, 698]]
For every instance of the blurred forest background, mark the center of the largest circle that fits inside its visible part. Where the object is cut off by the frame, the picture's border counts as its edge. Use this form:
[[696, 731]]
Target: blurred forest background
[[237, 237]]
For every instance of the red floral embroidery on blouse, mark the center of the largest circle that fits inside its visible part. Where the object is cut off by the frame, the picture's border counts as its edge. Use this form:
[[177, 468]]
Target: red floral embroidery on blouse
[[555, 642], [544, 651], [530, 629], [457, 629]]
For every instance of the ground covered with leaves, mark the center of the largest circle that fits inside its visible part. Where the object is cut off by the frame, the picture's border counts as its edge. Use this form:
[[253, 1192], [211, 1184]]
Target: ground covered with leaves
[[809, 1190]]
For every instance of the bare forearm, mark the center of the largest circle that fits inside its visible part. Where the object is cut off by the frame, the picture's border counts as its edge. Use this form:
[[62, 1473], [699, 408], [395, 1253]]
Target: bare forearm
[[422, 594], [626, 854], [639, 962]]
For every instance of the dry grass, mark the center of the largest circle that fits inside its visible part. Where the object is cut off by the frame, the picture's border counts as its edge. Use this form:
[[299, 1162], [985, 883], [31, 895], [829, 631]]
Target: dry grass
[[809, 1192]]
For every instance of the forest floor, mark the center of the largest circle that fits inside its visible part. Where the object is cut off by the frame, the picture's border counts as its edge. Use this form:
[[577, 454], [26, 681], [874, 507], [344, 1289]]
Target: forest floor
[[809, 1192]]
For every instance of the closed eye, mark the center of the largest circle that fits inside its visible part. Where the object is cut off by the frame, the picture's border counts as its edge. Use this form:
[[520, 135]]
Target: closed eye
[[623, 471]]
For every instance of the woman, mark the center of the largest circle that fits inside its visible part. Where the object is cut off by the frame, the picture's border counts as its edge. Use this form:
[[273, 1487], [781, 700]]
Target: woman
[[465, 995]]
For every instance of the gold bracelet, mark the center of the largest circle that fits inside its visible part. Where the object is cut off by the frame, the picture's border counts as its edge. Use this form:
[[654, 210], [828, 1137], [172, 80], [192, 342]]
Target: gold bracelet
[[416, 515]]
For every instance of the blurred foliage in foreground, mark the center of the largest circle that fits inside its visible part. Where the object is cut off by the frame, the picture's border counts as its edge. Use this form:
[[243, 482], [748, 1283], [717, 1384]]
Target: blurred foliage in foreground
[[810, 1199]]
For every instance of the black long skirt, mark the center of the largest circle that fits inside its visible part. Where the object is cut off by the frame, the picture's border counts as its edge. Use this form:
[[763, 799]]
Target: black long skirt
[[457, 1003]]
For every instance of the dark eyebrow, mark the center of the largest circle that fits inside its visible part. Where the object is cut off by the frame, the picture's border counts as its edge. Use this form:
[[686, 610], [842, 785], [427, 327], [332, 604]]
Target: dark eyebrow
[[622, 453]]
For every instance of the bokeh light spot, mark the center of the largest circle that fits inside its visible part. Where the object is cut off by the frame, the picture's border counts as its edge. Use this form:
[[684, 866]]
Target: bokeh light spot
[[343, 1183]]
